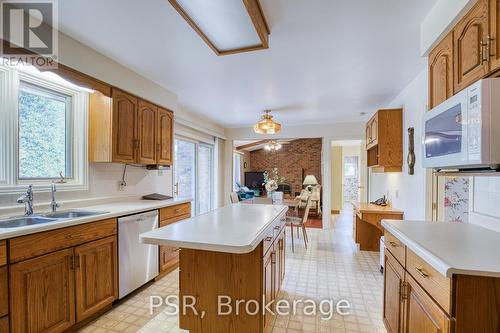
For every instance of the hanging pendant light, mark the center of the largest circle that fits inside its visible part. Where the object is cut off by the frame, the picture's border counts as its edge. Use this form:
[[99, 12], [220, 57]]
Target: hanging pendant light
[[267, 125], [272, 146]]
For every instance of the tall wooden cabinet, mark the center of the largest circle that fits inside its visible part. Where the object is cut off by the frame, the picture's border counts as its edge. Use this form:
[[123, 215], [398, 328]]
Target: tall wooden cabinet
[[127, 129], [441, 72]]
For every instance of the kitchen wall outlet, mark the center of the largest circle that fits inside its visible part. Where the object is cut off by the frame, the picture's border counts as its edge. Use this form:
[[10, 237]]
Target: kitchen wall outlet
[[121, 185]]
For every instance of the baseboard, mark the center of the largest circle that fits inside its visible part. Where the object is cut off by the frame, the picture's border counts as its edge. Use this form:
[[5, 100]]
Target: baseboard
[[335, 211]]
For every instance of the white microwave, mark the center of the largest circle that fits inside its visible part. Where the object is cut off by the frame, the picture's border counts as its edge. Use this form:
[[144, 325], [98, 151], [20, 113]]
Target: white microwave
[[464, 131]]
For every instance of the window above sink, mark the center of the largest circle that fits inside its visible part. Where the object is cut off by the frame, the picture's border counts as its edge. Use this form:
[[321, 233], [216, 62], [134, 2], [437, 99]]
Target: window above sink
[[44, 127]]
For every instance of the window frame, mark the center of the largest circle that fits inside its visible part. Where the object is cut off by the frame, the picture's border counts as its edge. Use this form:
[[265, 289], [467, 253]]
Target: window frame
[[10, 79], [69, 124]]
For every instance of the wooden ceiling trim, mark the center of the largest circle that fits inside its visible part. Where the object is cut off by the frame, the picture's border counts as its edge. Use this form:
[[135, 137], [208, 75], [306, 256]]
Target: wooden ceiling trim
[[256, 14]]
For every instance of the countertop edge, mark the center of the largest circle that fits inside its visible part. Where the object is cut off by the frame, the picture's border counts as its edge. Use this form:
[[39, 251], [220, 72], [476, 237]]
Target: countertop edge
[[24, 231], [234, 249], [428, 256]]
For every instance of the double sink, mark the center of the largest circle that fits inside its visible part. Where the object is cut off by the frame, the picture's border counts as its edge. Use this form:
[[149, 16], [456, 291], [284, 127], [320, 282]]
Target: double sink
[[24, 221]]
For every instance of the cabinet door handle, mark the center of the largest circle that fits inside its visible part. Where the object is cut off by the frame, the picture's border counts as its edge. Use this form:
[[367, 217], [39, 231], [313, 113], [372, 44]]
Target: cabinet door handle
[[483, 52], [491, 45], [277, 227], [158, 147], [422, 272], [72, 236], [268, 239], [393, 244]]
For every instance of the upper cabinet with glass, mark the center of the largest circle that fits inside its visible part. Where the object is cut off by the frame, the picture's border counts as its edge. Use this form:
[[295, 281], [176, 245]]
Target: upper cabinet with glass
[[126, 129]]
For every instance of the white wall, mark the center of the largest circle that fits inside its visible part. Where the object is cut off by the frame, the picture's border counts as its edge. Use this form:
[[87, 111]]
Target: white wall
[[440, 21], [407, 192], [103, 178]]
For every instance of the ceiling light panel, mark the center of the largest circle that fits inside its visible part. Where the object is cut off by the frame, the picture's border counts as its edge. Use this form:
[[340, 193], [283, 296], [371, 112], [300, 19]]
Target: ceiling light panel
[[226, 25]]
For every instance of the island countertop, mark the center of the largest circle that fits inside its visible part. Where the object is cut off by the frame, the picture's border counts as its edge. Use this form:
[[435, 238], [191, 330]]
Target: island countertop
[[451, 248], [232, 229], [364, 207]]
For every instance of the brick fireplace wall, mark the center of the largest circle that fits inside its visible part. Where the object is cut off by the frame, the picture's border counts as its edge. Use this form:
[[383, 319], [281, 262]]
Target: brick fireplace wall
[[300, 156]]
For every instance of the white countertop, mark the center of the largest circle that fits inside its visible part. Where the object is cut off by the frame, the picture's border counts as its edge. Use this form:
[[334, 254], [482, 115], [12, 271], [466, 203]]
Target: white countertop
[[231, 229], [451, 248], [112, 209]]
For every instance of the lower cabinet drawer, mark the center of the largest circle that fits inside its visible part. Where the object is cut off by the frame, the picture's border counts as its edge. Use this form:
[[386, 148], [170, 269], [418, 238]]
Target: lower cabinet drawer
[[4, 325], [165, 222], [397, 249], [169, 257], [4, 292], [26, 247], [174, 211], [435, 284]]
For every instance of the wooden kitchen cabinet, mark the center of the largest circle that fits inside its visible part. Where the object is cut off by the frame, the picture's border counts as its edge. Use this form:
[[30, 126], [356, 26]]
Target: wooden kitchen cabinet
[[393, 310], [63, 276], [169, 256], [269, 272], [494, 44], [127, 129], [423, 315], [164, 139], [431, 302], [441, 72], [96, 276], [146, 133], [42, 294], [4, 325], [4, 292], [471, 54], [124, 130], [385, 148]]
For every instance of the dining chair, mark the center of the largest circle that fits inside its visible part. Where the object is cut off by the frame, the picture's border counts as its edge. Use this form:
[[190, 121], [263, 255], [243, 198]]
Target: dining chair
[[234, 197], [299, 222]]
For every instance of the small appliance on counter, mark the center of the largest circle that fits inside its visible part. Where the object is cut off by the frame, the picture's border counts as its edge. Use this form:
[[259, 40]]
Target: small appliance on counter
[[381, 202], [156, 196]]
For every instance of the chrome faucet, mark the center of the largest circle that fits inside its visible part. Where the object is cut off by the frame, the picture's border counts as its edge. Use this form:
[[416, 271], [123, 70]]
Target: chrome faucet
[[54, 205], [27, 200]]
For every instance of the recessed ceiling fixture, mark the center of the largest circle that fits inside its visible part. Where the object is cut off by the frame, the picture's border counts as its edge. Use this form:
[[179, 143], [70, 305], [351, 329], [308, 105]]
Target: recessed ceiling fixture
[[227, 26], [267, 125], [272, 146]]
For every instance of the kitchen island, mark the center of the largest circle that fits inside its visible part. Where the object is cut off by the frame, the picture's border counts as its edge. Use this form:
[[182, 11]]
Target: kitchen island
[[233, 255]]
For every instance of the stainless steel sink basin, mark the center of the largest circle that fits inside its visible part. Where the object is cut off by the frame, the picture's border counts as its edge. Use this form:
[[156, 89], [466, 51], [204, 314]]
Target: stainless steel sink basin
[[16, 222], [73, 214]]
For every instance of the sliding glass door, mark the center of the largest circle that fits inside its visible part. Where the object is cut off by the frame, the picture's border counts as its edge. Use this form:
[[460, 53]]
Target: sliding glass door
[[194, 173]]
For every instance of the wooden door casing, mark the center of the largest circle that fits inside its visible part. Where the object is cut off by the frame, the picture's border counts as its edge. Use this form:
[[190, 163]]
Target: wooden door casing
[[164, 137], [423, 315], [42, 297], [146, 132], [394, 276], [471, 58], [124, 127], [96, 276], [441, 72]]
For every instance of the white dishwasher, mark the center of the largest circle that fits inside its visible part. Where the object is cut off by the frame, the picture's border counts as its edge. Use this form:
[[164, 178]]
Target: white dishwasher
[[138, 263]]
